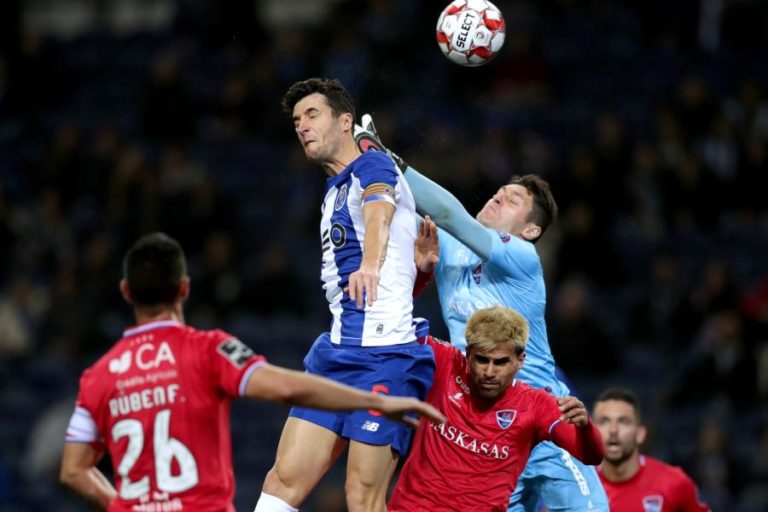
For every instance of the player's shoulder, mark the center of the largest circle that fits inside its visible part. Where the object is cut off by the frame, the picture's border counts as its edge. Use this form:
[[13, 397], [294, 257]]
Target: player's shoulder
[[669, 472], [530, 395], [373, 160]]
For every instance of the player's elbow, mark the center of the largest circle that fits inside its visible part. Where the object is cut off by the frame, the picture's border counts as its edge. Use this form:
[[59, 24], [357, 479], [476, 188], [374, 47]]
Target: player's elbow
[[68, 476]]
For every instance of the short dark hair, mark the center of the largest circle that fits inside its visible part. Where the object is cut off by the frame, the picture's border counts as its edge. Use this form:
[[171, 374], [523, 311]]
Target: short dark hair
[[153, 268], [335, 93], [544, 211], [621, 395]]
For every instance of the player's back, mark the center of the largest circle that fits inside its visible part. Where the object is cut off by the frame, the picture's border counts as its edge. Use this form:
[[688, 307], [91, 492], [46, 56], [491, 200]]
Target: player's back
[[159, 401]]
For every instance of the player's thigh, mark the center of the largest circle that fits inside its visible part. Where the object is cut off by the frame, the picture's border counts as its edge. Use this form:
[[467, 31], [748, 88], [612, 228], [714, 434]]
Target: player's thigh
[[564, 483], [370, 467], [305, 452]]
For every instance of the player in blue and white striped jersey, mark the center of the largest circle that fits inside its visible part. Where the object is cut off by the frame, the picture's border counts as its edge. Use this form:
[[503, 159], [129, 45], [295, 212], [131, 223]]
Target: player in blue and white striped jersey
[[368, 231]]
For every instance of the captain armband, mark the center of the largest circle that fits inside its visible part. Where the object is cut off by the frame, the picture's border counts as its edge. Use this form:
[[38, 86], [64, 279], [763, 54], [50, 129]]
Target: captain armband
[[379, 192]]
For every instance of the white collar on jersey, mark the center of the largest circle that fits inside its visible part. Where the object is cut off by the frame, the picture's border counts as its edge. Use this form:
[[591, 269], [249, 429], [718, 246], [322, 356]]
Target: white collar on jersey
[[150, 326]]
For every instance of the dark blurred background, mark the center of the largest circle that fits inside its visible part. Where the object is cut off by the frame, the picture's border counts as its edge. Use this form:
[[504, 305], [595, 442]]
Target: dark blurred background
[[650, 119]]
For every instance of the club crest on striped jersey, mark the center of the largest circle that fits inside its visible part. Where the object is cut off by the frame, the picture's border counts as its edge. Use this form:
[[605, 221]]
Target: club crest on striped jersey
[[506, 417], [341, 198]]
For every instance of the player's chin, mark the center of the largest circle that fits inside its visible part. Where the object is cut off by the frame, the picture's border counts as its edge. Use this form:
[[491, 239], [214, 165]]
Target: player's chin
[[489, 393]]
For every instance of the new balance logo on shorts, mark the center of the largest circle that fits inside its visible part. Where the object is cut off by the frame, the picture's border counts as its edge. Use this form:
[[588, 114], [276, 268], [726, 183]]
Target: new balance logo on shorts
[[370, 426]]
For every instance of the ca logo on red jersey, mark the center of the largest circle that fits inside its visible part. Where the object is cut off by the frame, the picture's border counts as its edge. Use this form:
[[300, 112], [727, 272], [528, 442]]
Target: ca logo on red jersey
[[505, 418]]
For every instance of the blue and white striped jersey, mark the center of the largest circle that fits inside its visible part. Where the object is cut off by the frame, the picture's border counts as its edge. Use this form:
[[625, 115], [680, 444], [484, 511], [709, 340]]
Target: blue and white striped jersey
[[389, 320]]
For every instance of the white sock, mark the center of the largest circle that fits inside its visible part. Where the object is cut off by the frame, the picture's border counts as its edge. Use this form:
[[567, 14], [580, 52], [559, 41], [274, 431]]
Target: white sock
[[269, 503]]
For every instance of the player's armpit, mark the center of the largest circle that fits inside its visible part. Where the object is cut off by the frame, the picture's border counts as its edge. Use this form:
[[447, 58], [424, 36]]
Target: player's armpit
[[79, 473], [584, 443]]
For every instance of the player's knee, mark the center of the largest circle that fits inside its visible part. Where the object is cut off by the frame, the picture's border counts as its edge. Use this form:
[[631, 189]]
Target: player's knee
[[281, 478], [364, 494]]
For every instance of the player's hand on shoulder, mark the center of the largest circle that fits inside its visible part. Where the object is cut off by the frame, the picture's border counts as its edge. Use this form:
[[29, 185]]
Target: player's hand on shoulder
[[427, 246], [573, 411], [367, 139], [401, 409], [363, 285]]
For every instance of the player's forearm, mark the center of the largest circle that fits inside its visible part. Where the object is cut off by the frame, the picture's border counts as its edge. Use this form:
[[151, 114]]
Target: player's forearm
[[448, 213], [91, 485], [377, 219], [297, 388], [584, 443]]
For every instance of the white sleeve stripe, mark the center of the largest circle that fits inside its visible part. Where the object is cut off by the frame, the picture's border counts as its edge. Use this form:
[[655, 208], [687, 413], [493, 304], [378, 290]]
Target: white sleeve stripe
[[81, 427], [247, 375], [552, 426]]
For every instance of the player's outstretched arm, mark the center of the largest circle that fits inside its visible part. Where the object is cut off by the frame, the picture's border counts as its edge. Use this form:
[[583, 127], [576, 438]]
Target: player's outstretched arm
[[576, 433], [278, 384], [432, 199], [80, 474]]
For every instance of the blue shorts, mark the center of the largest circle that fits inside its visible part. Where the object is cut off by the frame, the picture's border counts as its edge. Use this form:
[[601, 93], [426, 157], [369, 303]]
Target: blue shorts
[[398, 370], [556, 479]]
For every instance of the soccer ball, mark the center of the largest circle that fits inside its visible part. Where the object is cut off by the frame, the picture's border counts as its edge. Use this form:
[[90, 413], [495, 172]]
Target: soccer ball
[[470, 32]]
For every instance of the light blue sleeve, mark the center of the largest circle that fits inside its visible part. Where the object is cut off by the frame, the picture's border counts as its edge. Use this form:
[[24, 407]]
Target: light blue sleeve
[[448, 213], [517, 257]]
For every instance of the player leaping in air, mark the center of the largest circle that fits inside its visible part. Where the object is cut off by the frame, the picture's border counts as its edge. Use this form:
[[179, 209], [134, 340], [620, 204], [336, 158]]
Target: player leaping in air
[[492, 260], [368, 230]]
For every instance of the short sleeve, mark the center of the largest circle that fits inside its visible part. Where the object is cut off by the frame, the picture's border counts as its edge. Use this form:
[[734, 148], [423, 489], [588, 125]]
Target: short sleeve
[[688, 494], [375, 167], [517, 257], [82, 427], [445, 354], [547, 414], [232, 362]]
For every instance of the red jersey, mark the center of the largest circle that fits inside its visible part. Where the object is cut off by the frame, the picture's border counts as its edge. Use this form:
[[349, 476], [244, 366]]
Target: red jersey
[[656, 487], [159, 402], [472, 462]]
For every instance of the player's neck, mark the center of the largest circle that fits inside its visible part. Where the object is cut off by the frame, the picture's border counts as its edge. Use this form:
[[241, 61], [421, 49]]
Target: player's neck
[[342, 158], [623, 471], [147, 315]]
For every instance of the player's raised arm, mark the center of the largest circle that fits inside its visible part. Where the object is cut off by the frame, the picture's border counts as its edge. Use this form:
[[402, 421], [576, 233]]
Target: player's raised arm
[[80, 474], [431, 198], [274, 383], [378, 210]]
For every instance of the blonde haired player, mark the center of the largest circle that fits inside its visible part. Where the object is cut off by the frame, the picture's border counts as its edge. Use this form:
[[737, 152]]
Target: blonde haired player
[[472, 461]]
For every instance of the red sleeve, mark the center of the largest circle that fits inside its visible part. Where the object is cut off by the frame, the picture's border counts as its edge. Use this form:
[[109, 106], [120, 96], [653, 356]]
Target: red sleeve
[[688, 495], [232, 363], [422, 281], [584, 443], [444, 352]]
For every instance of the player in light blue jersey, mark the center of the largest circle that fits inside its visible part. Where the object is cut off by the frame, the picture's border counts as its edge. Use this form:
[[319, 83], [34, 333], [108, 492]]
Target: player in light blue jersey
[[492, 260], [368, 232]]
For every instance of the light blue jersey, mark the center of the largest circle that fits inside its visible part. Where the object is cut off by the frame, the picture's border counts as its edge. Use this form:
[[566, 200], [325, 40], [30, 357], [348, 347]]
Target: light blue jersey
[[512, 276]]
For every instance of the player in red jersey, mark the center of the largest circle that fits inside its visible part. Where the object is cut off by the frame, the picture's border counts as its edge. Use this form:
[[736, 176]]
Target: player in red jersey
[[472, 461], [158, 401], [635, 482]]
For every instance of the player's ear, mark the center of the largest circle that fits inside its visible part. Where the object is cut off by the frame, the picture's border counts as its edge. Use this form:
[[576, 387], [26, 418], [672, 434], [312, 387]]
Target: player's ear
[[642, 432], [347, 121], [125, 291], [184, 288], [531, 232]]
